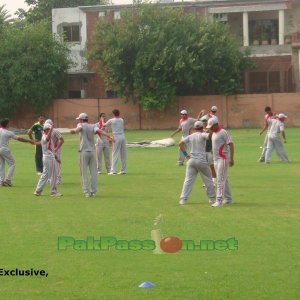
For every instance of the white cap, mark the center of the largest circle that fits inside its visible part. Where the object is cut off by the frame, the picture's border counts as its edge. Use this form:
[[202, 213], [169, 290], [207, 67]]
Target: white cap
[[198, 124], [82, 116], [47, 126], [214, 108], [282, 116], [49, 121], [183, 112], [212, 122], [204, 118]]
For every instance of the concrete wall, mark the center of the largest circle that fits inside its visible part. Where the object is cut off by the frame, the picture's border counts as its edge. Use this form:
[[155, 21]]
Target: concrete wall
[[239, 111]]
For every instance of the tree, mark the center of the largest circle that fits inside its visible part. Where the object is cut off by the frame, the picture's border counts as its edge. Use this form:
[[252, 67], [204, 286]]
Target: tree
[[4, 15], [42, 9], [32, 67], [155, 53]]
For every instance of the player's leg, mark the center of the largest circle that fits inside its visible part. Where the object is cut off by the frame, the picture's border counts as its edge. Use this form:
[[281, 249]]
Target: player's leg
[[180, 157], [58, 166], [281, 151], [2, 168], [6, 154], [115, 154], [83, 170], [93, 171], [264, 150], [123, 155], [221, 170], [190, 176], [107, 157], [269, 151], [53, 178], [99, 154], [227, 192], [47, 168], [39, 158], [205, 174]]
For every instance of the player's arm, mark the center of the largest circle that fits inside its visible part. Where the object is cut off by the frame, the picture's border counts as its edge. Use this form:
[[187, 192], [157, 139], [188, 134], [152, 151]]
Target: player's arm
[[176, 131], [201, 114], [60, 143], [182, 149], [231, 150], [264, 128], [102, 132], [75, 130], [25, 141], [283, 136], [30, 133]]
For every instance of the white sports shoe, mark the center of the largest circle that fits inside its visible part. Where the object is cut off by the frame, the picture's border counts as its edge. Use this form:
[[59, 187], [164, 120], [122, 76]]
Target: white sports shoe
[[182, 201], [99, 172], [57, 194], [217, 204], [112, 173], [122, 173], [227, 201], [37, 193]]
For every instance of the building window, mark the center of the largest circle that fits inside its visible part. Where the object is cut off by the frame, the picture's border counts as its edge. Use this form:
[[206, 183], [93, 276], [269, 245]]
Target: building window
[[101, 14], [111, 94], [264, 32], [221, 18], [117, 15], [74, 94], [71, 33]]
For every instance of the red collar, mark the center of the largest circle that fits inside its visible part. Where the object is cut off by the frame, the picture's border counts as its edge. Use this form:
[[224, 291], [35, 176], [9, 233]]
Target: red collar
[[199, 130]]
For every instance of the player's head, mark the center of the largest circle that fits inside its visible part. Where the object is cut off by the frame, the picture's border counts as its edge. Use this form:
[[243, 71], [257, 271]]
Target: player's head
[[41, 119], [101, 115], [116, 112], [183, 114], [214, 109], [198, 125], [49, 121], [4, 122], [268, 109], [47, 127], [83, 118], [282, 117], [213, 124], [204, 120]]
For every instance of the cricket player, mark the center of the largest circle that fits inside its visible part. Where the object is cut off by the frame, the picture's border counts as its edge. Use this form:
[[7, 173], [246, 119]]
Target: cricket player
[[223, 151], [87, 153], [197, 163], [274, 140], [49, 169], [186, 125], [267, 118], [37, 129], [119, 146], [57, 142], [102, 147], [5, 153]]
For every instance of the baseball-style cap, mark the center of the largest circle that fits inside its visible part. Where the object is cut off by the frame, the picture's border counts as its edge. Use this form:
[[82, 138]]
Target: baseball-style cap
[[204, 118], [214, 108], [82, 116], [183, 112], [49, 121], [282, 116], [212, 122], [198, 124], [47, 126]]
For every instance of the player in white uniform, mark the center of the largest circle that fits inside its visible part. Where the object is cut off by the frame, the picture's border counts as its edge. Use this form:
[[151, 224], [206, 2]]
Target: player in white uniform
[[5, 153], [102, 147], [223, 150], [197, 163], [87, 151], [119, 146], [274, 140], [49, 164], [57, 142], [267, 118], [186, 125]]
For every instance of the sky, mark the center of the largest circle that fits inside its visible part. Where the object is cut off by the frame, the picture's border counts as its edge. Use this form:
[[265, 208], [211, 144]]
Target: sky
[[12, 5]]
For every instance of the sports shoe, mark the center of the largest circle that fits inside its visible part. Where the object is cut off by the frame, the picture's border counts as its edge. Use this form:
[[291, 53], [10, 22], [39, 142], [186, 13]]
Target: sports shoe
[[122, 173], [87, 195], [92, 194], [39, 173], [37, 193], [183, 201], [112, 173], [212, 201], [57, 194], [227, 201], [217, 204], [7, 183], [99, 172], [203, 185]]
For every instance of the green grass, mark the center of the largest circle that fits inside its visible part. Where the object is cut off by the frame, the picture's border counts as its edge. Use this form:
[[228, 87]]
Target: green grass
[[264, 219]]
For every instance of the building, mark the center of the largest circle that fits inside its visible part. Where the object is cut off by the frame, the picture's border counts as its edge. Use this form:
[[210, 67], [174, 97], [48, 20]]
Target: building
[[271, 28]]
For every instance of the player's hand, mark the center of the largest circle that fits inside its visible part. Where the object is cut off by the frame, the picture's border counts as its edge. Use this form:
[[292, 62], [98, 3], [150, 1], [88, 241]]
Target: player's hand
[[188, 157], [231, 163], [32, 142]]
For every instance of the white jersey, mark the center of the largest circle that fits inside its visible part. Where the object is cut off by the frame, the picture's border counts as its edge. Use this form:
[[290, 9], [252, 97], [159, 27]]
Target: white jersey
[[47, 147], [197, 143], [5, 136], [87, 136], [275, 127], [186, 126], [268, 119], [220, 141], [56, 136], [117, 125]]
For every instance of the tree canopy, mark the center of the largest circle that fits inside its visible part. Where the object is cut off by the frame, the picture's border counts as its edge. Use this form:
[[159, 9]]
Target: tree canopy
[[32, 67], [155, 53]]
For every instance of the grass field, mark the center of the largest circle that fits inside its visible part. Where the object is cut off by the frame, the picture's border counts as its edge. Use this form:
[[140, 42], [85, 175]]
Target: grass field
[[265, 220]]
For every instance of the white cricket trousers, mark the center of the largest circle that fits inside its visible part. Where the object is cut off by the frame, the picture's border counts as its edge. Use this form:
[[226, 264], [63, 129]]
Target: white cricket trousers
[[119, 149], [223, 189], [195, 166], [6, 156], [88, 161], [263, 153], [181, 157], [102, 149], [276, 143], [49, 173]]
